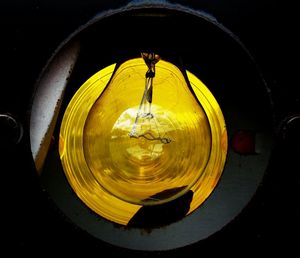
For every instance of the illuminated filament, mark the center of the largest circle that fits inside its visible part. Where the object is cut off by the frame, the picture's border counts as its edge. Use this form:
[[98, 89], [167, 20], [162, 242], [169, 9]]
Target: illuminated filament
[[144, 110]]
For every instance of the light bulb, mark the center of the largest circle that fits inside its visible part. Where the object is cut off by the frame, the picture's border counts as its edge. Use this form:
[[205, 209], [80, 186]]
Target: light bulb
[[147, 133]]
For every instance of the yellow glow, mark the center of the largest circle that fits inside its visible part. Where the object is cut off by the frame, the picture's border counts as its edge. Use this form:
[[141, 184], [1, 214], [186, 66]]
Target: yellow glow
[[133, 169], [115, 174]]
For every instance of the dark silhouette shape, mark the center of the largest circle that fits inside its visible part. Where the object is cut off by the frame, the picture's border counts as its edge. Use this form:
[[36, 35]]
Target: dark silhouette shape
[[149, 217]]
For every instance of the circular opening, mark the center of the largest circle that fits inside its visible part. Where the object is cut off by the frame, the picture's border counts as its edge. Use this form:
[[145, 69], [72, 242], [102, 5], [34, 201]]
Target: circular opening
[[222, 63], [114, 173]]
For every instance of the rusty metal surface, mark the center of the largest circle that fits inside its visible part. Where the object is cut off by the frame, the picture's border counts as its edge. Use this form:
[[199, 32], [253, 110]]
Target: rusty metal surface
[[47, 100]]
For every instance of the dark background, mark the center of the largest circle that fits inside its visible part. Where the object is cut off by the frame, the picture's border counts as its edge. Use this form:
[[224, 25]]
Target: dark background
[[32, 30]]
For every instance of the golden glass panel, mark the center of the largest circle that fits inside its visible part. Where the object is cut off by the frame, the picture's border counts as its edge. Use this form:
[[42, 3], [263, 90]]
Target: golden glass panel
[[118, 152]]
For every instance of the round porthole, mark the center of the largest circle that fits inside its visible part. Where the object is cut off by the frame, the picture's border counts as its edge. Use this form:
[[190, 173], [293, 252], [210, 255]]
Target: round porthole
[[139, 130]]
